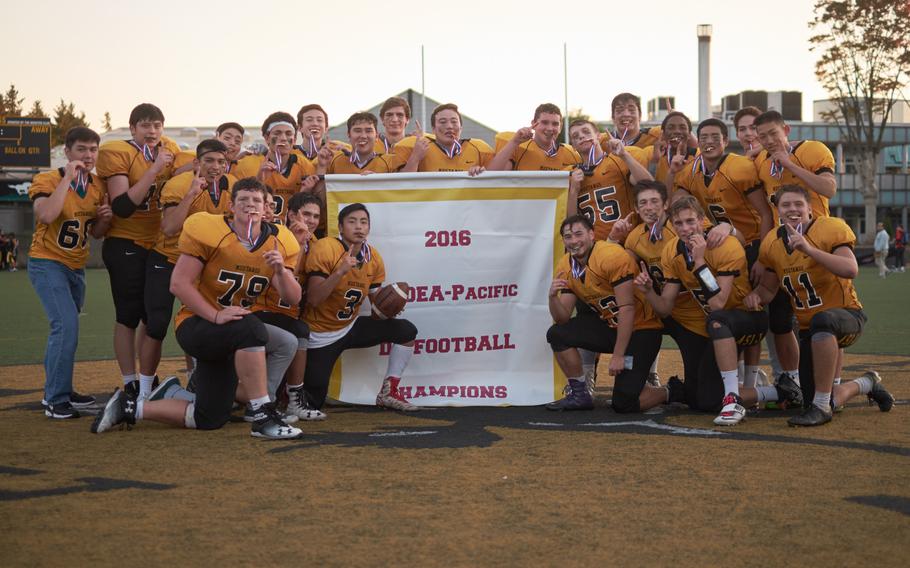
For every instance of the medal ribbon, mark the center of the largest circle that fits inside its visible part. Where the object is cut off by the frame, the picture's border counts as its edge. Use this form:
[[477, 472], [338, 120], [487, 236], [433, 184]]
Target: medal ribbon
[[314, 149], [777, 170], [79, 184], [358, 163], [551, 152], [655, 233], [454, 151], [578, 271], [592, 162], [278, 162], [145, 150]]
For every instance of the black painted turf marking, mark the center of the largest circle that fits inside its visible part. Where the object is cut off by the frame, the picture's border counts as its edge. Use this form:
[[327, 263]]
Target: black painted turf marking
[[91, 485]]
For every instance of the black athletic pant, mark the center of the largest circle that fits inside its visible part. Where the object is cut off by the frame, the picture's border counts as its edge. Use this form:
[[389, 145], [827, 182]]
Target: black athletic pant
[[214, 346], [158, 300], [845, 325], [588, 331], [366, 332], [125, 262], [299, 328]]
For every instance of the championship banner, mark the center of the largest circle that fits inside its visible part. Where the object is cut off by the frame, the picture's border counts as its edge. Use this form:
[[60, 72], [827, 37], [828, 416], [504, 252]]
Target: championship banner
[[478, 254]]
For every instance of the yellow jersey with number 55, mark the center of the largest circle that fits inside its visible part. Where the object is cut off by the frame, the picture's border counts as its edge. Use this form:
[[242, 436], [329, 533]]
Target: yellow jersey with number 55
[[340, 309], [232, 275], [605, 195]]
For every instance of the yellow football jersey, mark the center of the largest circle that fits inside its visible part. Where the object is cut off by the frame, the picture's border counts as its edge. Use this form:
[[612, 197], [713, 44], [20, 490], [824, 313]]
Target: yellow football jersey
[[340, 308], [724, 194], [284, 184], [686, 311], [531, 157], [728, 259], [208, 201], [605, 195], [811, 287], [663, 165], [232, 275], [608, 265], [66, 238], [810, 155], [122, 157], [272, 301], [302, 151], [184, 158], [378, 164], [647, 136], [474, 152]]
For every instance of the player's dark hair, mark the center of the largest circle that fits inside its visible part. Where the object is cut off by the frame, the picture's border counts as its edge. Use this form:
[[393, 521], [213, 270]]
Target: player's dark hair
[[769, 116], [745, 111], [548, 108], [145, 111], [249, 184], [80, 134], [362, 117], [393, 102], [576, 219], [279, 116], [789, 188], [646, 185], [683, 203], [300, 199], [673, 113], [712, 122], [210, 145], [352, 208], [580, 121], [222, 127], [625, 97], [307, 108], [440, 108]]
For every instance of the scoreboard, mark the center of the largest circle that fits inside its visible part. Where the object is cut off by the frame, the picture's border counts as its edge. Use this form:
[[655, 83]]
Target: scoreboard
[[25, 143]]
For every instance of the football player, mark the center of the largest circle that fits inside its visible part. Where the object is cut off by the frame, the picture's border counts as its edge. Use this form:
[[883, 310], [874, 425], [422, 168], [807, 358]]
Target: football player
[[447, 152], [627, 128], [229, 133], [744, 125], [69, 204], [718, 280], [812, 260], [135, 171], [225, 264], [673, 152], [313, 122], [341, 272], [363, 157], [394, 114], [620, 322], [537, 148]]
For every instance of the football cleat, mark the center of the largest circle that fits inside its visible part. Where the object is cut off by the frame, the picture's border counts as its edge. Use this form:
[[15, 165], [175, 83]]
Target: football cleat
[[788, 391], [269, 424], [161, 391], [249, 415], [654, 380], [578, 397], [732, 412], [812, 416], [299, 405], [677, 390], [878, 394], [120, 409], [390, 397]]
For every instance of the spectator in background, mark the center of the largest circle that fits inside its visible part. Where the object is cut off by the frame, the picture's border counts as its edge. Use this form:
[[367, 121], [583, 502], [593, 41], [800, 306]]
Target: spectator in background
[[900, 242], [12, 255], [881, 249], [4, 247]]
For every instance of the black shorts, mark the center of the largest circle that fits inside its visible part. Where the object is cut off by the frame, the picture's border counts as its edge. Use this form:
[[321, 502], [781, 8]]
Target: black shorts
[[366, 332], [125, 262], [159, 302], [214, 346], [746, 327], [299, 328], [780, 314], [845, 325], [752, 252]]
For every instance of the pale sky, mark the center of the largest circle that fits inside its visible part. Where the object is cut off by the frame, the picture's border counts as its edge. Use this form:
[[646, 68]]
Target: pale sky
[[205, 63]]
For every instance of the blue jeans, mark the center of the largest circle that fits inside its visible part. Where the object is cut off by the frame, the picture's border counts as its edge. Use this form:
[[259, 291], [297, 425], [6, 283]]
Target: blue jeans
[[62, 293]]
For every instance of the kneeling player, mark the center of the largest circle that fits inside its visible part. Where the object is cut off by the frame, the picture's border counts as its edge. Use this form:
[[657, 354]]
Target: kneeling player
[[340, 273], [812, 259], [718, 279], [225, 264], [600, 274]]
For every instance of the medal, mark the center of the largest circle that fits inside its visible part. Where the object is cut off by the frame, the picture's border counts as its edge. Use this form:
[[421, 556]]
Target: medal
[[578, 270]]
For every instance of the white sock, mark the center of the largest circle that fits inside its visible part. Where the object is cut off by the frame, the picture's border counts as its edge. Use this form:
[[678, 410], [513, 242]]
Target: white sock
[[741, 372], [140, 409], [766, 394], [256, 403], [865, 385], [794, 375], [580, 378], [290, 388], [653, 369], [750, 376], [837, 380], [823, 401], [127, 379], [731, 381], [145, 383], [399, 358]]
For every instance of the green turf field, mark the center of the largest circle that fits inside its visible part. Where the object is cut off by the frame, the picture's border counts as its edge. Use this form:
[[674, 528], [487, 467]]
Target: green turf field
[[24, 332]]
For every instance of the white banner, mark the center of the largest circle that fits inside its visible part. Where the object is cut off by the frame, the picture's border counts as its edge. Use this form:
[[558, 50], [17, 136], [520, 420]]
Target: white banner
[[478, 254]]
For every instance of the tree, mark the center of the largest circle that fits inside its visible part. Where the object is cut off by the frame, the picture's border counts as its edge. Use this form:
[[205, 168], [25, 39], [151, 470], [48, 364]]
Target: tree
[[37, 111], [10, 103], [106, 122], [864, 64], [65, 117]]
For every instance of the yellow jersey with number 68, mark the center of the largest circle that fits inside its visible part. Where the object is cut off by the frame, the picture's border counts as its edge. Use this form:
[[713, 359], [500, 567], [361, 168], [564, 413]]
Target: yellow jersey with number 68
[[811, 287], [232, 275], [340, 309], [66, 238]]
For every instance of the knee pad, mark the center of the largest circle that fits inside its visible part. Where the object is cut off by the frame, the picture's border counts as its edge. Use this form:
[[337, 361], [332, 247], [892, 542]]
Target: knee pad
[[156, 327], [555, 338], [718, 326], [821, 323]]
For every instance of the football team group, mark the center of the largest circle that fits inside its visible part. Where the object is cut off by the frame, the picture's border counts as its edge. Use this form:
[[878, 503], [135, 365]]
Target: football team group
[[666, 233]]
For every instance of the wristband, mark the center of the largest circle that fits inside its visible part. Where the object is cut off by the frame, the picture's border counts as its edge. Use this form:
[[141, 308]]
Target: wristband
[[709, 284]]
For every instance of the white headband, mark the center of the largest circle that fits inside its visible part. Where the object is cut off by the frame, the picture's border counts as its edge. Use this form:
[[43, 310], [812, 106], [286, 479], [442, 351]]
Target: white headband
[[278, 123]]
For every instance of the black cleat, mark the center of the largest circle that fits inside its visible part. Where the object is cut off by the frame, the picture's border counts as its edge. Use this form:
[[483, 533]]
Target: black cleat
[[120, 409], [677, 390], [813, 416], [788, 391], [577, 398], [878, 395]]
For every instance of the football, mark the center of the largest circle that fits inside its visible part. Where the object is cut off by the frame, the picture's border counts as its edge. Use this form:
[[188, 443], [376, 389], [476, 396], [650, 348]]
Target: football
[[390, 300]]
